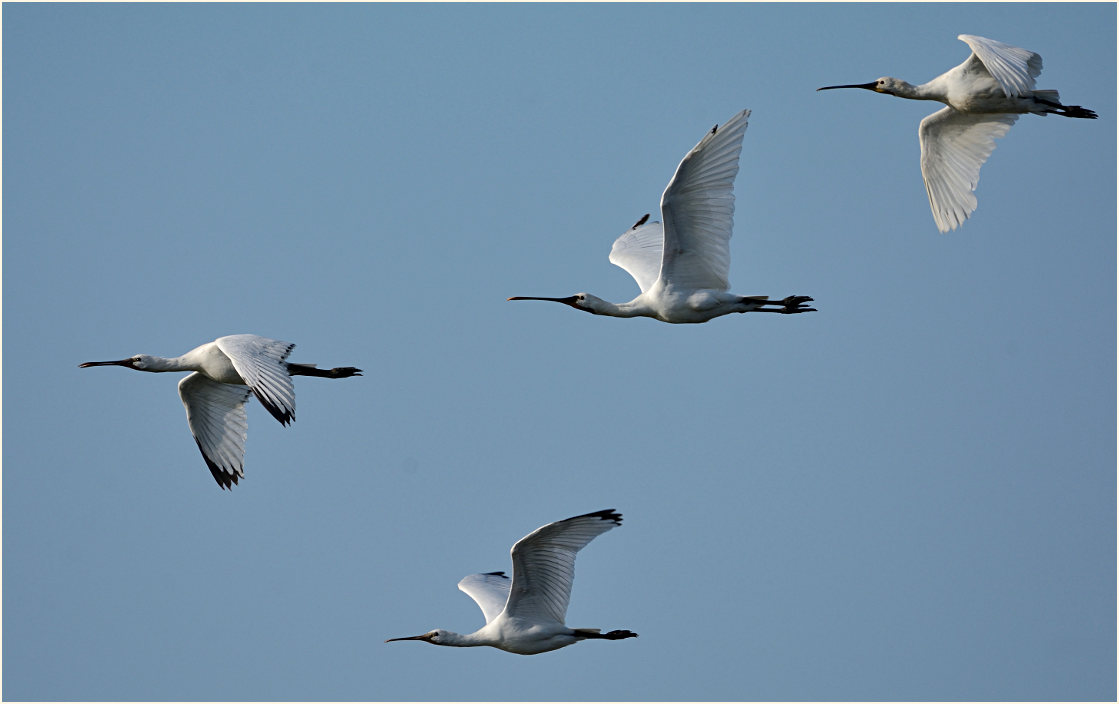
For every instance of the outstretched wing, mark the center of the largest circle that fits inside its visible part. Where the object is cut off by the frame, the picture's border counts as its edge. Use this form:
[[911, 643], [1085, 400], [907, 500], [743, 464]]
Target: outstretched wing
[[216, 416], [544, 565], [638, 251], [490, 591], [698, 210], [260, 362], [1014, 68], [954, 145]]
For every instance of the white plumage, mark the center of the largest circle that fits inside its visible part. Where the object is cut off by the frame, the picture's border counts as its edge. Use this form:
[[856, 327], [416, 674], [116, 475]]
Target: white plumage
[[984, 97], [682, 265], [225, 372], [526, 615]]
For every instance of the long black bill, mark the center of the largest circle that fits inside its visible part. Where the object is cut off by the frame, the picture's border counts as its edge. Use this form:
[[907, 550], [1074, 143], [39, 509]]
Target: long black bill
[[118, 362], [567, 299], [864, 86]]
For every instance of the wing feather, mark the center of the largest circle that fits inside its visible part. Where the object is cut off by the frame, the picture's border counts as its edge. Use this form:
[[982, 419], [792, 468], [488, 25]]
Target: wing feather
[[489, 590], [260, 362], [544, 565], [954, 145], [697, 209], [638, 251], [1013, 67], [216, 416]]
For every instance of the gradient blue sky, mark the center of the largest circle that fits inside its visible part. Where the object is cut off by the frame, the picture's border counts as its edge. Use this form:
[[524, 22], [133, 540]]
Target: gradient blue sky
[[910, 494]]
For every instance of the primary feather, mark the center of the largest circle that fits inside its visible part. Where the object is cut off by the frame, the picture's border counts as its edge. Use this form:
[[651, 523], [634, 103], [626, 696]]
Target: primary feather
[[544, 564]]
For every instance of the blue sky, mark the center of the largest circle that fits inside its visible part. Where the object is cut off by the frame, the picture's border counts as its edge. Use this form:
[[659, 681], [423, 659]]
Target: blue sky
[[907, 495]]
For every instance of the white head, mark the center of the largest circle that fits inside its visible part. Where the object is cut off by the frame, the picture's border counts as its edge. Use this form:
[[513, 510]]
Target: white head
[[886, 84]]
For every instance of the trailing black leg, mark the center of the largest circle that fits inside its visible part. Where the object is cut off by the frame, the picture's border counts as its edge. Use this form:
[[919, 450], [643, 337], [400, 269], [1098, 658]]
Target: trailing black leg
[[1077, 111], [790, 304], [311, 370], [591, 633], [1067, 110]]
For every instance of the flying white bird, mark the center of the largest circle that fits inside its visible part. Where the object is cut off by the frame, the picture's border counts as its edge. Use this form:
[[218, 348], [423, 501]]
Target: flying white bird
[[682, 266], [526, 616], [226, 371], [984, 95]]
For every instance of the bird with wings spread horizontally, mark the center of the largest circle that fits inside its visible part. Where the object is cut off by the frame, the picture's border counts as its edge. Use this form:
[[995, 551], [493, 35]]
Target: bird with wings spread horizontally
[[226, 372], [984, 96]]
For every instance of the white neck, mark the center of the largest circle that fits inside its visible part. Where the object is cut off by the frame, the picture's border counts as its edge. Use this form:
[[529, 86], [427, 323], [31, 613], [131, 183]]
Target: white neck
[[464, 640], [926, 91], [632, 309], [170, 364]]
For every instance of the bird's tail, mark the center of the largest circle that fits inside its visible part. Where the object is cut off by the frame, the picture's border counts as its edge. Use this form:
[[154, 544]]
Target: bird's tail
[[312, 370]]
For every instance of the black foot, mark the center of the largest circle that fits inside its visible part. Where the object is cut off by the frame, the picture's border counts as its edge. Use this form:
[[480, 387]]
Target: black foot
[[343, 372], [618, 635], [312, 370], [1077, 111], [795, 304], [1068, 110], [593, 634]]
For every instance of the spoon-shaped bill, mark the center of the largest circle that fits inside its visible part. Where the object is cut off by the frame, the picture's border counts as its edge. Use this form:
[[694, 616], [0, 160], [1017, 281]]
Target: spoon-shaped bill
[[117, 362], [865, 86], [425, 636], [567, 299]]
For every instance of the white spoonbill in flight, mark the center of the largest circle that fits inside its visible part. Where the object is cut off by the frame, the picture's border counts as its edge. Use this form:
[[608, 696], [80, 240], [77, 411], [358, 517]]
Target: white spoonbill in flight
[[984, 95], [226, 371], [525, 615], [682, 266]]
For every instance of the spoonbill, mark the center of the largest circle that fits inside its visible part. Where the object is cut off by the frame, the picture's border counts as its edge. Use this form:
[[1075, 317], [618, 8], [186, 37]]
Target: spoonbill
[[682, 266], [226, 371], [525, 615], [984, 96]]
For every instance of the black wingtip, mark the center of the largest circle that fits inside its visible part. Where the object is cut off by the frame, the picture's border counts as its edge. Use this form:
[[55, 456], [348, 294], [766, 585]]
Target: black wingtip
[[285, 417], [644, 219], [607, 514], [497, 574], [224, 479]]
